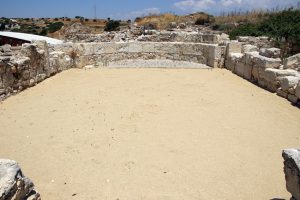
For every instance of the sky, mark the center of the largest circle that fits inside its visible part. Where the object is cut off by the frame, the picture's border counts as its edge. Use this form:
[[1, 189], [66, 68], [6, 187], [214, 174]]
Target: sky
[[129, 9]]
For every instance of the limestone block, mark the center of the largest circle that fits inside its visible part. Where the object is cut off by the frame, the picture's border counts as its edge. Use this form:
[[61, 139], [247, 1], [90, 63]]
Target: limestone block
[[134, 47], [13, 184], [273, 52], [248, 71], [297, 90], [249, 48], [243, 38], [292, 98], [147, 47], [289, 81], [292, 171], [270, 52], [239, 69], [233, 47], [292, 62], [264, 62], [122, 48], [231, 61], [272, 77], [281, 93]]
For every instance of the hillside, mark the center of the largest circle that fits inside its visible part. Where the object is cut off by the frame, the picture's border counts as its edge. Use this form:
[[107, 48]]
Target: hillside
[[163, 21]]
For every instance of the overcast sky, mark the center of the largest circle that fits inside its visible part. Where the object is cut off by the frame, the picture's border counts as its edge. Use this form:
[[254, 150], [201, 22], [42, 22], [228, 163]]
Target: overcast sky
[[129, 9]]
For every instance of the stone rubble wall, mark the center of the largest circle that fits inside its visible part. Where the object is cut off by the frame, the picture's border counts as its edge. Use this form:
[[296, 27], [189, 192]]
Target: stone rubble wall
[[150, 36], [13, 184], [35, 62], [263, 67], [101, 54], [29, 66]]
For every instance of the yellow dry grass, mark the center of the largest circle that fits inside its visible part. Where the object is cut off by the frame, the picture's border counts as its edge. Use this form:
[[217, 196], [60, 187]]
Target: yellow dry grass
[[162, 21]]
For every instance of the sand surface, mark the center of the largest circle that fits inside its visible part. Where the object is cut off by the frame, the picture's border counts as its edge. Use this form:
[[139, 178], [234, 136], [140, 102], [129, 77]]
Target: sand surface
[[150, 134]]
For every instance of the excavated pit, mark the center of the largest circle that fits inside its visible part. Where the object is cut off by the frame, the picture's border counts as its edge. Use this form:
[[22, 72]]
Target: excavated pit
[[150, 134]]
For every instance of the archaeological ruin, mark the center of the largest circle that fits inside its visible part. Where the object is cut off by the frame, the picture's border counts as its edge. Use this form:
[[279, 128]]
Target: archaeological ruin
[[253, 59]]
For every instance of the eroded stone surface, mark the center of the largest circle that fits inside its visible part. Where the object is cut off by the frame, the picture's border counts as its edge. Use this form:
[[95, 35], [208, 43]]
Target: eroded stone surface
[[292, 171], [13, 184]]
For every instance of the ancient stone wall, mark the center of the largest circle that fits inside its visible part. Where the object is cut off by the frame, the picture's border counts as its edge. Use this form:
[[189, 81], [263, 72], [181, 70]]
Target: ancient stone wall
[[101, 54], [35, 62], [263, 67], [260, 65], [29, 66]]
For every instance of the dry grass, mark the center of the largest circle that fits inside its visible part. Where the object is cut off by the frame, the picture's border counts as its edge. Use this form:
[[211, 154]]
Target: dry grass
[[162, 21], [255, 16]]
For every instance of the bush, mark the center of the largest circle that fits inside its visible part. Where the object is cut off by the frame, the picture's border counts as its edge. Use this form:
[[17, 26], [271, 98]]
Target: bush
[[55, 27], [2, 27], [205, 19], [44, 32], [245, 30], [112, 25], [283, 27]]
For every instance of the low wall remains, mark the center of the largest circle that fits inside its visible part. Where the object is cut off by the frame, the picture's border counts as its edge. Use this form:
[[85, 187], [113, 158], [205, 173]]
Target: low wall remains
[[101, 54], [35, 62], [264, 67]]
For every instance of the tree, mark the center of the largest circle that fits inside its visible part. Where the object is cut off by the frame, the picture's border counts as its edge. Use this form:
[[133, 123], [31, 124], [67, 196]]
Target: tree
[[2, 27], [112, 25]]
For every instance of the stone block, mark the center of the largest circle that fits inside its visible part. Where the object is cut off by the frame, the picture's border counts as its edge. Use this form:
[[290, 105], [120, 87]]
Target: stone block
[[292, 171], [239, 69], [297, 91], [13, 184], [292, 98], [289, 81], [292, 62], [270, 52], [281, 93], [249, 48], [233, 47], [264, 62]]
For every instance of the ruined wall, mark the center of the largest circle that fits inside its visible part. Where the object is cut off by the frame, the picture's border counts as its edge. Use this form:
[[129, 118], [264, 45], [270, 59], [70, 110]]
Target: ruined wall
[[35, 62], [29, 66], [101, 54], [38, 61], [263, 67]]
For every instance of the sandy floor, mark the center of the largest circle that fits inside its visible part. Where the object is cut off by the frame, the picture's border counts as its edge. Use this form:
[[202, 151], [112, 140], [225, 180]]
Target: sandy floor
[[150, 134]]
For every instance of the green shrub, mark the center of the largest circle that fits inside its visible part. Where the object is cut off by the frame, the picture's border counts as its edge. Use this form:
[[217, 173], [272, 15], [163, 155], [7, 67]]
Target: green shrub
[[245, 30], [2, 27], [205, 19], [44, 32], [283, 27], [53, 27], [112, 25]]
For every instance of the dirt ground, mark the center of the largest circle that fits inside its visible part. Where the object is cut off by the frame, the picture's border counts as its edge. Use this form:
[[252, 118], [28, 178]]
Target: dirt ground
[[150, 134]]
